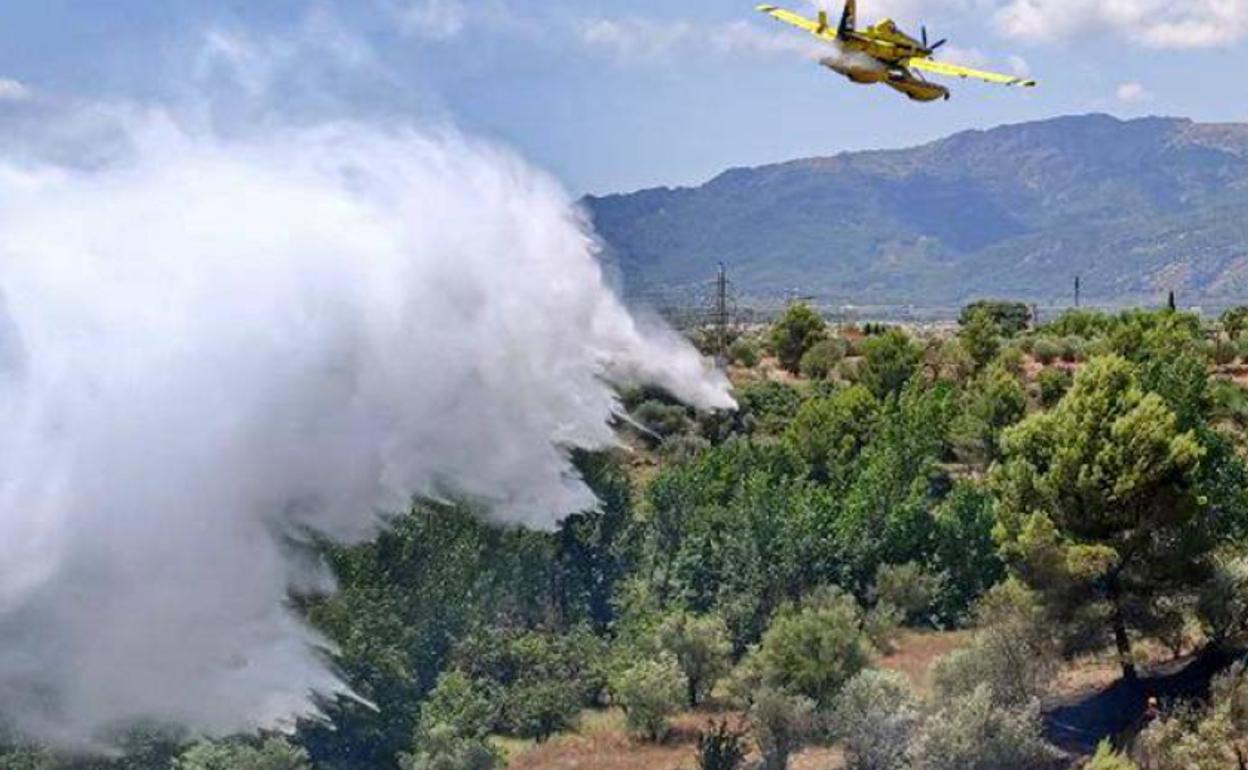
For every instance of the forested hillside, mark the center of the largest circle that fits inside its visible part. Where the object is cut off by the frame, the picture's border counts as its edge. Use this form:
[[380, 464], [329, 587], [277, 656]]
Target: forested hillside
[[1058, 495], [1136, 207]]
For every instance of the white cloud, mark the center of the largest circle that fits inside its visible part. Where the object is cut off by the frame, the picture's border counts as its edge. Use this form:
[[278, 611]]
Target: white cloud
[[1019, 66], [446, 20], [1133, 93], [636, 40], [967, 57], [1153, 23], [433, 19], [13, 91]]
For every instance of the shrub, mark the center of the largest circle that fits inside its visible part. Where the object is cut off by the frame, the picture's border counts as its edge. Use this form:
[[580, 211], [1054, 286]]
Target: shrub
[[950, 362], [782, 724], [234, 754], [796, 332], [821, 360], [721, 748], [1107, 759], [26, 758], [1073, 349], [445, 748], [683, 448], [882, 625], [1052, 384], [1046, 350], [662, 419], [769, 405], [1011, 656], [1222, 605], [1187, 741], [745, 352], [815, 650], [1224, 352], [1235, 320], [701, 647], [649, 692], [908, 587], [974, 733], [823, 357], [1012, 360], [875, 717]]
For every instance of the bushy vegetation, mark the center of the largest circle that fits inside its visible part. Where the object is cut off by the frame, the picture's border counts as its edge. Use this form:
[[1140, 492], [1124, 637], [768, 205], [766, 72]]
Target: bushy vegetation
[[1074, 488]]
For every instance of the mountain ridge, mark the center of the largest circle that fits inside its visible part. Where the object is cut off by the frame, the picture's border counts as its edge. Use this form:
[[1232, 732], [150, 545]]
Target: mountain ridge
[[1138, 207]]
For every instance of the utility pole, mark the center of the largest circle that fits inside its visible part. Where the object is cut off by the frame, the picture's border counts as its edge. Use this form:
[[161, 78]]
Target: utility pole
[[1077, 292], [721, 311]]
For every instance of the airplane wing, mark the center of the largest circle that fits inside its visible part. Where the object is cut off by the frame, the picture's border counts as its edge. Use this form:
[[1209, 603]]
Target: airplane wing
[[953, 70], [799, 21]]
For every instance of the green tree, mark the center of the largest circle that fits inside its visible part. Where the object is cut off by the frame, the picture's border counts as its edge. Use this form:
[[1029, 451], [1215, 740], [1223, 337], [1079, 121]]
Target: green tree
[[443, 747], [701, 648], [544, 679], [796, 332], [592, 554], [273, 753], [1010, 317], [981, 336], [461, 702], [830, 433], [964, 551], [1098, 499], [822, 358], [889, 361], [994, 401], [649, 692], [814, 650]]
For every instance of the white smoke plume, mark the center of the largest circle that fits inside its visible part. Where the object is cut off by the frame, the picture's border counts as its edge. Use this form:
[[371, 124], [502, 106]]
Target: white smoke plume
[[209, 346]]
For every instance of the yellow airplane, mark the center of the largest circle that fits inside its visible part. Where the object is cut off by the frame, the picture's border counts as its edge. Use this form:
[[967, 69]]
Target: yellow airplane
[[884, 54]]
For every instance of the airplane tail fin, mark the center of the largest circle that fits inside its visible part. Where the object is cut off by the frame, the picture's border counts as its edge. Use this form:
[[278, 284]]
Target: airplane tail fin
[[849, 18]]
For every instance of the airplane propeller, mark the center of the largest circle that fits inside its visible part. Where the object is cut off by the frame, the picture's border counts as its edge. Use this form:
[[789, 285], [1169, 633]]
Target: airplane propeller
[[931, 48]]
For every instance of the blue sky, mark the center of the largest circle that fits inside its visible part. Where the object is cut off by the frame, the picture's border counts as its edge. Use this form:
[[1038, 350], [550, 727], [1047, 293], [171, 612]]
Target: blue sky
[[613, 96]]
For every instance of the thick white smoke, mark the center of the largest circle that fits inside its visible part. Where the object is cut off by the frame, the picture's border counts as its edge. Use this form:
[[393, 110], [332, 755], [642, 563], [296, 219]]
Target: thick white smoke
[[214, 345]]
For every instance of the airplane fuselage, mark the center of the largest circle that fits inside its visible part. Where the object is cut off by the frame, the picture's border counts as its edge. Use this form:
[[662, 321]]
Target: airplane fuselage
[[883, 42], [876, 55]]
